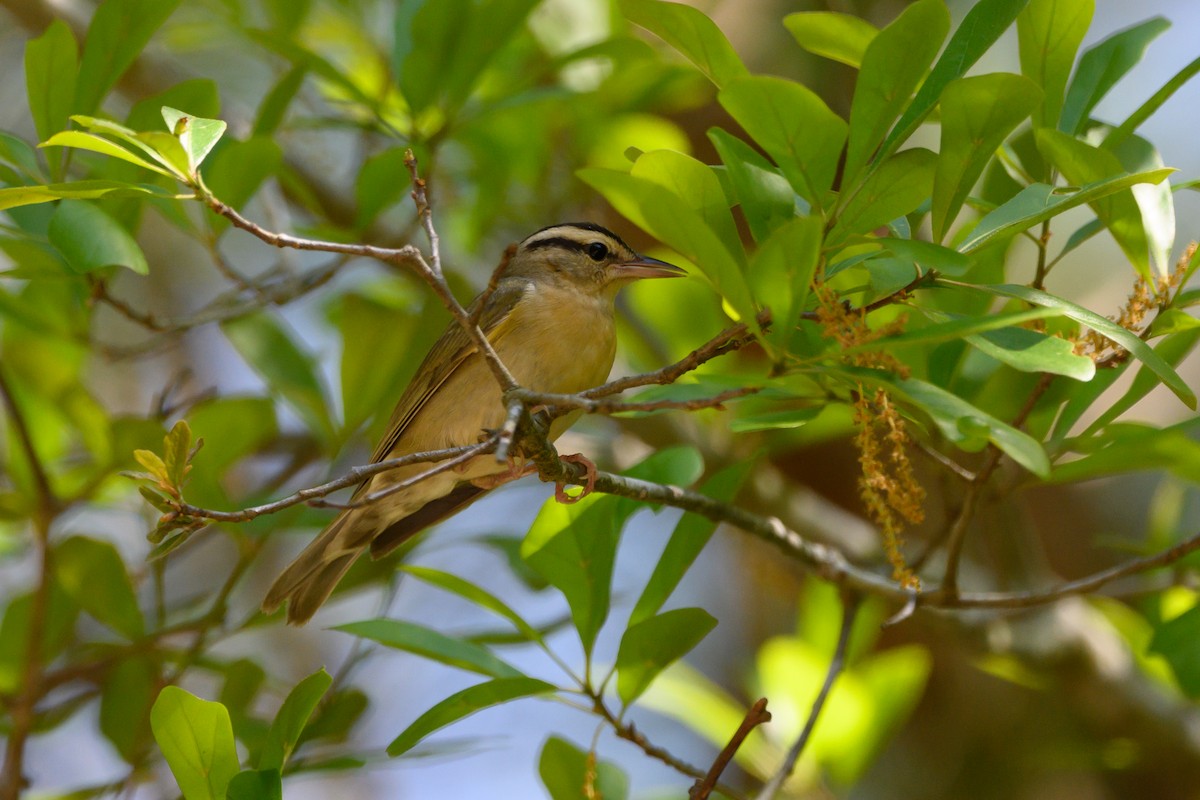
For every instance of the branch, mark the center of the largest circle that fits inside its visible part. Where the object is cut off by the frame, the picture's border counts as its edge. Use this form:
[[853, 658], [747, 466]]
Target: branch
[[407, 256], [629, 733], [958, 529], [849, 610], [24, 708], [352, 478], [604, 406], [756, 716]]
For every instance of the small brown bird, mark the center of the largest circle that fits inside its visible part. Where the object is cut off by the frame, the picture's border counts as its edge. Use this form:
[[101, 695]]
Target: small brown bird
[[550, 319]]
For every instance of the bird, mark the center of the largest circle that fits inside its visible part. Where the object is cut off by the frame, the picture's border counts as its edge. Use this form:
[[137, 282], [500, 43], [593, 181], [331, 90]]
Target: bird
[[549, 315]]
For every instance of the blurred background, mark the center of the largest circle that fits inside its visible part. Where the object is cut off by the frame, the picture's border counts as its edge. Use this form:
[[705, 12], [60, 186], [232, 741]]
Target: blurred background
[[1058, 703]]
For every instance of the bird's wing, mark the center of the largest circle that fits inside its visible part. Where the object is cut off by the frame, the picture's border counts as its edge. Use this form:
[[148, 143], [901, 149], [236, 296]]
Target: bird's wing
[[448, 353]]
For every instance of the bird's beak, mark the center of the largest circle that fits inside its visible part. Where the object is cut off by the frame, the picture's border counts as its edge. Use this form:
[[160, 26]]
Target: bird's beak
[[646, 267]]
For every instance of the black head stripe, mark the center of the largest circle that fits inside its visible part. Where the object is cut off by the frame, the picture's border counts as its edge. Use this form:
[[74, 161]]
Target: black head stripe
[[567, 241]]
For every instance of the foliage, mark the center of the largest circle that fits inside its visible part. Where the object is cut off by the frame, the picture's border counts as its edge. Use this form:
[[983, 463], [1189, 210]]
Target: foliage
[[894, 292]]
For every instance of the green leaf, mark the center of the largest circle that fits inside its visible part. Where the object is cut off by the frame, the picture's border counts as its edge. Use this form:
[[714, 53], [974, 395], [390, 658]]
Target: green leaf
[[765, 196], [1101, 66], [290, 721], [51, 67], [1171, 349], [1039, 202], [442, 48], [839, 37], [928, 256], [570, 774], [651, 645], [953, 329], [690, 32], [428, 643], [691, 534], [1175, 640], [1030, 351], [892, 67], [673, 220], [471, 592], [94, 576], [794, 126], [573, 547], [1155, 202], [463, 704], [260, 784], [98, 144], [897, 187], [696, 185], [90, 239], [273, 108], [1146, 109], [118, 32], [1174, 321], [382, 181], [19, 154], [15, 196], [291, 373], [963, 424], [781, 274], [1049, 33], [125, 699], [201, 95], [1130, 447], [198, 135], [177, 448], [57, 628], [978, 113], [196, 738], [238, 170], [1139, 349], [979, 30], [1082, 164]]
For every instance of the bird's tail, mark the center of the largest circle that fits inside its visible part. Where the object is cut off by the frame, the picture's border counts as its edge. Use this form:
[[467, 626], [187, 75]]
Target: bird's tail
[[309, 580]]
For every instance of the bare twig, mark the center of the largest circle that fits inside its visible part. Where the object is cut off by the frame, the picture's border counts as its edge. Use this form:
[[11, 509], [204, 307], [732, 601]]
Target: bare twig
[[627, 731], [352, 478], [849, 609], [605, 406], [958, 529], [756, 716], [471, 452], [24, 707]]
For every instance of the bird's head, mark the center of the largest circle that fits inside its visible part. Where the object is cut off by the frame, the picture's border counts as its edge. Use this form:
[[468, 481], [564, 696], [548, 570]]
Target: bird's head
[[586, 256]]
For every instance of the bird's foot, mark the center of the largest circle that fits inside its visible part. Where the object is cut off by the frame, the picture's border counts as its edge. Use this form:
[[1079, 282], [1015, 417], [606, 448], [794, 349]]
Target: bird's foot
[[515, 470], [589, 485]]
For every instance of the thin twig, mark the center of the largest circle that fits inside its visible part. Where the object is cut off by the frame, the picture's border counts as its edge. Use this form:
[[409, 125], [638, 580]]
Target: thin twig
[[627, 731], [480, 449], [48, 503], [756, 716], [23, 715], [606, 406], [849, 609], [352, 478], [958, 529]]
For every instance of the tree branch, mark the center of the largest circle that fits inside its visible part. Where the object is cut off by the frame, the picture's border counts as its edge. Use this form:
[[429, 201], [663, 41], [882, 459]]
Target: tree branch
[[756, 716]]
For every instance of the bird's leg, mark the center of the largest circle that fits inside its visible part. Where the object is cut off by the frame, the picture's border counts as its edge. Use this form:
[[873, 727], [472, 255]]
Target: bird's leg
[[589, 485], [515, 470]]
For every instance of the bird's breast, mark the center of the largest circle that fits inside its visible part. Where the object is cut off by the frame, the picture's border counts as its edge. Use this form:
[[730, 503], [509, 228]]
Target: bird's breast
[[559, 340]]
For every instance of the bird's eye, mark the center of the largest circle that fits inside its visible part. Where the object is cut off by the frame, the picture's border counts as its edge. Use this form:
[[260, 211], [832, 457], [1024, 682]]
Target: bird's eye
[[597, 251]]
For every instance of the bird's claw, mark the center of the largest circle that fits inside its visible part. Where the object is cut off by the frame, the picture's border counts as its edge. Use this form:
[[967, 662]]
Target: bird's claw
[[589, 485]]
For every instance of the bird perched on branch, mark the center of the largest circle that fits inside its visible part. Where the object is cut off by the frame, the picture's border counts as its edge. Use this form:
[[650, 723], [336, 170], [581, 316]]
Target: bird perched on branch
[[549, 317]]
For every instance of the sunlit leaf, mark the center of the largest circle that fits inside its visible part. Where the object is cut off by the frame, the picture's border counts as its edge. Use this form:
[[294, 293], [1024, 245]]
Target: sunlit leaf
[[840, 37], [196, 738]]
